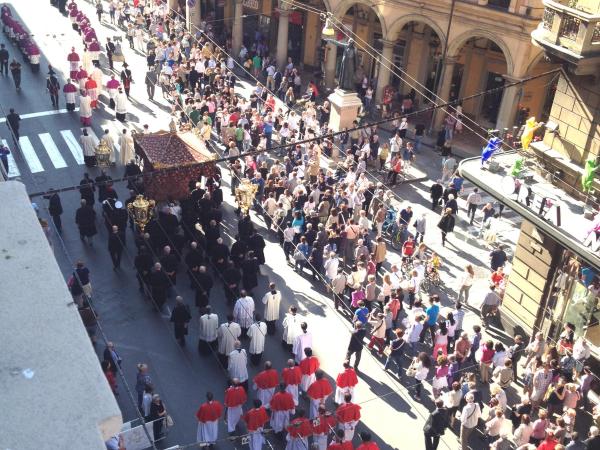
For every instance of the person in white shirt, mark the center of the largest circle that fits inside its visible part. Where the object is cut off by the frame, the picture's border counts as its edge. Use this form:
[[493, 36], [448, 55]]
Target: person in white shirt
[[494, 425], [291, 327], [302, 341], [473, 202], [243, 311], [227, 334], [469, 418], [257, 333], [207, 331], [464, 284], [237, 366], [413, 333], [331, 266], [271, 300]]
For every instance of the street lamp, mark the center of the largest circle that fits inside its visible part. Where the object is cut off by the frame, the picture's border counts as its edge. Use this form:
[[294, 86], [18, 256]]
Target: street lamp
[[141, 210], [327, 30], [244, 194]]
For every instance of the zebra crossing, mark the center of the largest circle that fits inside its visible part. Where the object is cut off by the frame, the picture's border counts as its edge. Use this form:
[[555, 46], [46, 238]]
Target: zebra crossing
[[61, 148]]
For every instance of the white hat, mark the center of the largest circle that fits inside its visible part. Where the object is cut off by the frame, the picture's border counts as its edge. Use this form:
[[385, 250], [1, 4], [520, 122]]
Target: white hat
[[118, 205]]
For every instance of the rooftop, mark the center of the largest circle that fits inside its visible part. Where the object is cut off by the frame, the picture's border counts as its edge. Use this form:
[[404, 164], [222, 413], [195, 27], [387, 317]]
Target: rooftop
[[54, 393], [549, 208]]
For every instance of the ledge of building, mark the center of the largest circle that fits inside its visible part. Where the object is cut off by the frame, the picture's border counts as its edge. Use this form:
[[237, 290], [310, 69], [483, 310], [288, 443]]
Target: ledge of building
[[54, 393]]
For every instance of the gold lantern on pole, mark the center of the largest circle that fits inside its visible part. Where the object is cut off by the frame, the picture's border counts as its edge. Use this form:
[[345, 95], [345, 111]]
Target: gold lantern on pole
[[244, 194], [102, 152], [141, 210]]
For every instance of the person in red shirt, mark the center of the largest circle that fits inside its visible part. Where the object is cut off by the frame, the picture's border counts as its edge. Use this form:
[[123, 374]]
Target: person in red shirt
[[255, 420], [235, 397], [338, 442], [308, 366], [298, 430], [323, 425], [345, 383], [487, 355], [110, 376], [318, 392], [292, 376], [265, 383], [367, 443], [550, 442], [208, 420], [408, 248], [348, 416], [282, 407]]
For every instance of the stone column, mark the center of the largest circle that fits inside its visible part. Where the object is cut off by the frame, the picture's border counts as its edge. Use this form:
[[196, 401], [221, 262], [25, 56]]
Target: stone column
[[330, 65], [192, 16], [444, 91], [387, 59], [282, 37], [508, 106], [238, 29]]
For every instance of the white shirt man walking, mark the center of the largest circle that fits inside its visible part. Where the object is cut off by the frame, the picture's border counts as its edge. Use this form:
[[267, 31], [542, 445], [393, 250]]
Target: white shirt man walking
[[243, 312], [271, 300], [207, 331], [227, 335], [257, 333]]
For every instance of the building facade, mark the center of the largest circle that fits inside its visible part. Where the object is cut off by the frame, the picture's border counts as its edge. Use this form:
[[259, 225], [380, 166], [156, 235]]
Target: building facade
[[486, 44], [569, 34]]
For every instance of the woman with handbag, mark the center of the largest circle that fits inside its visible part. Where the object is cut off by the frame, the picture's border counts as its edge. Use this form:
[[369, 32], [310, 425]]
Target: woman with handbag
[[377, 321], [419, 369], [395, 351], [157, 411], [446, 224]]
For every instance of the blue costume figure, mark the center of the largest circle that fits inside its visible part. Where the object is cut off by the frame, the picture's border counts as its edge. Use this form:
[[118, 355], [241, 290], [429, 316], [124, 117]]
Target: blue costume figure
[[492, 145]]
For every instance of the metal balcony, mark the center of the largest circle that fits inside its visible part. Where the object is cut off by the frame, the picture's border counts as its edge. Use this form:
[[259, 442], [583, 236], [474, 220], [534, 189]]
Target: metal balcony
[[570, 32]]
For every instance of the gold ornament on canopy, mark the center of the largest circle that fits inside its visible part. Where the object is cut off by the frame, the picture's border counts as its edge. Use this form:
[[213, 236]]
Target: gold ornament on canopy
[[102, 152], [141, 210], [244, 194]]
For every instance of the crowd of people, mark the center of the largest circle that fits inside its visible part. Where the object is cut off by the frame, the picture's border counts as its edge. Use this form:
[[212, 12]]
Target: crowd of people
[[333, 225]]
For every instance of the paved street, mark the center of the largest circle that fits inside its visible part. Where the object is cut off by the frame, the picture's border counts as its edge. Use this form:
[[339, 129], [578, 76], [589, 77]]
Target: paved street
[[50, 157]]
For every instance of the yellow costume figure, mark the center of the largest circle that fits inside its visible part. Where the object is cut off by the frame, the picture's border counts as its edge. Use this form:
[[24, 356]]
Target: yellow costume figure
[[530, 126]]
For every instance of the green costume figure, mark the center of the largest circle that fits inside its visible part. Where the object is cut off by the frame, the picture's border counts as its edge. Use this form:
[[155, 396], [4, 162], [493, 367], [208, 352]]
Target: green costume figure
[[591, 165], [517, 168]]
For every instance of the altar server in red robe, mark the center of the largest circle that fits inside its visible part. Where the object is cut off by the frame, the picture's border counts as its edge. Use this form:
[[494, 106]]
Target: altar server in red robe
[[282, 407], [292, 375], [235, 397], [308, 366], [348, 415], [323, 426], [208, 420], [318, 392], [265, 383], [298, 430], [255, 421], [345, 383]]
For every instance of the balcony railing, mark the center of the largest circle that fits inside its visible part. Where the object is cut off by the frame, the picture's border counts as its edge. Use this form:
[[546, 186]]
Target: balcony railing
[[569, 31], [569, 28]]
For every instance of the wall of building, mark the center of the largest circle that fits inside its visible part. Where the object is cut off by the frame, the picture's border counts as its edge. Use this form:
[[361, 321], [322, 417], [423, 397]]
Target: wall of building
[[576, 109], [532, 268]]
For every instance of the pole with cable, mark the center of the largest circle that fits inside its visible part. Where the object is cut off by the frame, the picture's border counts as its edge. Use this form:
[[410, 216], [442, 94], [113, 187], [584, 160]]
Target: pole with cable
[[441, 72]]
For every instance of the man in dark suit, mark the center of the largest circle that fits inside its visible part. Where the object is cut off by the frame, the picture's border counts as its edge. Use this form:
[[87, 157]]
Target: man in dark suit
[[435, 425], [115, 247], [55, 208]]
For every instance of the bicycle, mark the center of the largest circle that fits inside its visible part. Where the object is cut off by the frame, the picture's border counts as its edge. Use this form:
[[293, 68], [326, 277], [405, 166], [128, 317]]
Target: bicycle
[[432, 279]]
